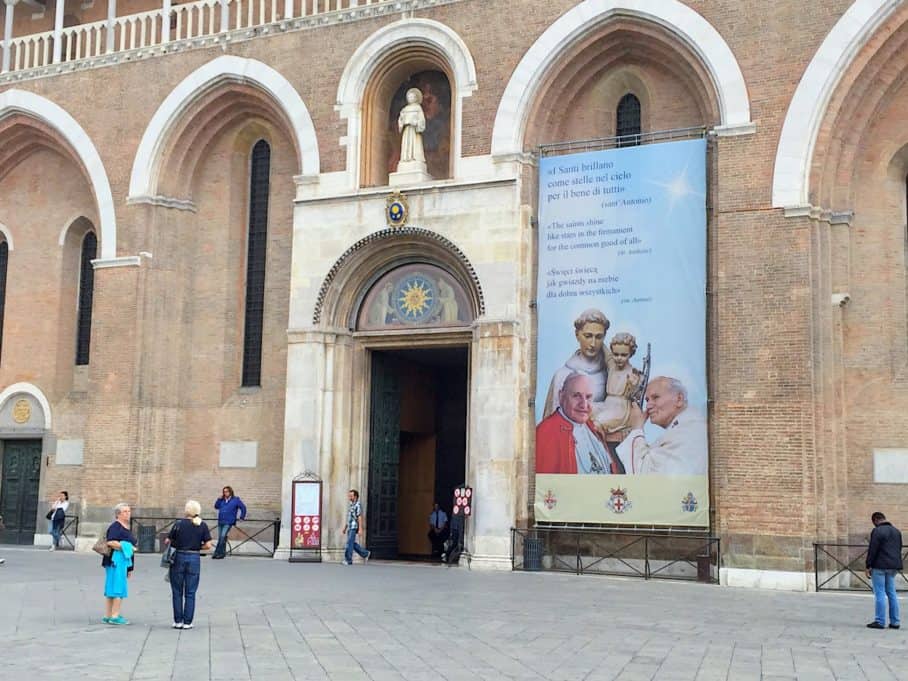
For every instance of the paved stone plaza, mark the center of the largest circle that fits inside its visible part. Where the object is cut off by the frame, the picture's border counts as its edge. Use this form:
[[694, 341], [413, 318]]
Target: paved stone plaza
[[264, 619]]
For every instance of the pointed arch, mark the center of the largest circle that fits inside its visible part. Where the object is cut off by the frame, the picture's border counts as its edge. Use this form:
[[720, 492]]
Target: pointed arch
[[794, 154], [680, 20], [227, 69], [50, 114]]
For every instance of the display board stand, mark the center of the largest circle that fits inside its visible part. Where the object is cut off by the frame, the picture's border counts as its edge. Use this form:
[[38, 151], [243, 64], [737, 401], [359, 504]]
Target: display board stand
[[306, 520]]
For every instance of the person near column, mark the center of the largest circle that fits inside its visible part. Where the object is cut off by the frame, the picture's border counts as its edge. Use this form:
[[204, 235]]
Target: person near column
[[57, 517], [884, 562], [681, 449], [354, 529], [438, 530], [118, 566], [189, 536], [230, 508]]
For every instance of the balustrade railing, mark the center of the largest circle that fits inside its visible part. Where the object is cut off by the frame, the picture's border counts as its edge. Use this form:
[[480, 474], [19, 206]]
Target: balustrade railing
[[186, 21]]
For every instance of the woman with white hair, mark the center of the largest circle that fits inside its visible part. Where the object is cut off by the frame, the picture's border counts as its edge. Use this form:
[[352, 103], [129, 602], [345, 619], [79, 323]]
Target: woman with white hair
[[118, 564], [189, 536]]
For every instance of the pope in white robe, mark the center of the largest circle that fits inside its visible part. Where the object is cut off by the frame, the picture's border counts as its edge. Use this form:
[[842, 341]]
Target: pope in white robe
[[682, 449]]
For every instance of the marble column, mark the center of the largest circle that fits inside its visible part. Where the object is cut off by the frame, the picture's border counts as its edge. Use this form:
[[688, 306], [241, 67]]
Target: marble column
[[497, 404], [165, 22], [7, 33], [111, 26], [59, 11]]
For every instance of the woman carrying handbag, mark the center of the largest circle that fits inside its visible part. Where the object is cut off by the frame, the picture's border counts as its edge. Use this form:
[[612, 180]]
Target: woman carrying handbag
[[188, 537]]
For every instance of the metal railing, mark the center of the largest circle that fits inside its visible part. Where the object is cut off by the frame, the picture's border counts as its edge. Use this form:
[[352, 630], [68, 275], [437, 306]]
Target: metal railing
[[840, 567], [70, 532], [249, 537], [650, 555], [184, 21]]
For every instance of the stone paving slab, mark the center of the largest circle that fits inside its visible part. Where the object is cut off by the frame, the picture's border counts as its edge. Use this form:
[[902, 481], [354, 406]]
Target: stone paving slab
[[260, 619]]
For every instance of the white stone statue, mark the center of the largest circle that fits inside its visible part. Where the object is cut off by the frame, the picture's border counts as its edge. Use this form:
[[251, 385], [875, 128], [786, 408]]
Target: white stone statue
[[447, 302], [412, 124]]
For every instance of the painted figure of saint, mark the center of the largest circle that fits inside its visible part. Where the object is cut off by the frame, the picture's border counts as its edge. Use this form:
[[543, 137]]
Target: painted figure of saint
[[612, 416], [381, 307], [447, 302], [591, 359], [412, 124]]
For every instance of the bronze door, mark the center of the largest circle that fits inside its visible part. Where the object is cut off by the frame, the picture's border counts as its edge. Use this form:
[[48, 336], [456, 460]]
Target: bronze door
[[384, 458], [19, 490]]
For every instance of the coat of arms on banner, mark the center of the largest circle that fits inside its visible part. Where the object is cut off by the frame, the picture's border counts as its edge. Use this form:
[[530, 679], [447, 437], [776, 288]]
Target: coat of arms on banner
[[689, 503], [618, 502], [550, 500]]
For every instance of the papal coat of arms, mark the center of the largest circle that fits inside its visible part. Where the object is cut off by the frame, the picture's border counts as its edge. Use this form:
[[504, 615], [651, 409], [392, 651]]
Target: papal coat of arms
[[618, 502], [689, 503], [397, 210], [550, 500]]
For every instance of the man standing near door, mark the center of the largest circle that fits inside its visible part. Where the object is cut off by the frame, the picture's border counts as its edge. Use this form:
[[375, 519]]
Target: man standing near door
[[884, 561], [354, 529], [438, 530]]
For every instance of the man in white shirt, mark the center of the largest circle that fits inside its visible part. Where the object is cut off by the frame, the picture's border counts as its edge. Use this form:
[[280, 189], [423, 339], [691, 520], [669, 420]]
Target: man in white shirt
[[681, 449]]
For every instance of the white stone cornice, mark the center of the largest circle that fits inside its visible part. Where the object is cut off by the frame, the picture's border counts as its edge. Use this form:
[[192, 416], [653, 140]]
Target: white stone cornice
[[833, 217], [735, 130], [164, 202], [122, 261]]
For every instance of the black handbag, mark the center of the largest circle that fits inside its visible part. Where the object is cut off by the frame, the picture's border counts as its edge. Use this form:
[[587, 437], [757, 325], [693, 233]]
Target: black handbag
[[167, 556], [50, 514]]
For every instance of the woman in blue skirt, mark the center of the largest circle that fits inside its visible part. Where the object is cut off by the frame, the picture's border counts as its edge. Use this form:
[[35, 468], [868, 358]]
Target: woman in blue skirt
[[118, 565]]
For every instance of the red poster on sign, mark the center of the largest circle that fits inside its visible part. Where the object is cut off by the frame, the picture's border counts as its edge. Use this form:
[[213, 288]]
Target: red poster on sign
[[306, 522]]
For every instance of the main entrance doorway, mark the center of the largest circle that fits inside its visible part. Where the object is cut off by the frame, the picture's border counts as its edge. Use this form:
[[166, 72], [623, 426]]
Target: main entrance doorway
[[418, 442], [21, 470]]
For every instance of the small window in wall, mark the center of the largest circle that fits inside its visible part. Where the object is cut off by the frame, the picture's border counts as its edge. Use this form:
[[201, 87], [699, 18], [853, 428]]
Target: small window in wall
[[86, 293], [4, 261], [259, 186], [627, 126]]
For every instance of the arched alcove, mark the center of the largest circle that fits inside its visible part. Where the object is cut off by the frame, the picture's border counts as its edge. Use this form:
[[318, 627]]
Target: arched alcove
[[385, 96], [351, 281]]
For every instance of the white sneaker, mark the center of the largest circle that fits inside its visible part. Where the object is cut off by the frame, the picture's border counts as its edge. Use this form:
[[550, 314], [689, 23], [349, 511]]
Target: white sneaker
[[187, 626], [367, 557], [2, 561], [347, 562], [52, 548], [177, 625]]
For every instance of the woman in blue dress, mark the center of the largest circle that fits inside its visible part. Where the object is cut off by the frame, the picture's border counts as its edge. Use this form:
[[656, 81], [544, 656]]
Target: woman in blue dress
[[118, 565]]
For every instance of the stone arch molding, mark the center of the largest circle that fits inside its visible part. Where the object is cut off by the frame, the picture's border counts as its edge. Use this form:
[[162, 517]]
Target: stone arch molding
[[375, 49], [32, 390], [41, 108], [370, 257], [7, 235], [791, 176], [143, 180], [682, 21]]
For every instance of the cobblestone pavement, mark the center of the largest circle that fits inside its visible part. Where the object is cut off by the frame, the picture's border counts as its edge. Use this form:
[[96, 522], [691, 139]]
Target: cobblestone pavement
[[265, 619]]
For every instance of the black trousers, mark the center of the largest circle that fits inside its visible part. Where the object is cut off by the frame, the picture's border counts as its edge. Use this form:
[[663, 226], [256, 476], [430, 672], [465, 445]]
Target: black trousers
[[438, 540]]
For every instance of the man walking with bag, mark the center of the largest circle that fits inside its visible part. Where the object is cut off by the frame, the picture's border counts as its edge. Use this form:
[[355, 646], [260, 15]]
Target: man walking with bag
[[354, 529], [884, 561]]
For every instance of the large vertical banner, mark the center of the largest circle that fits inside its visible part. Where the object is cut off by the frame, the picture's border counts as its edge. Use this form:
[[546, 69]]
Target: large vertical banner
[[621, 434]]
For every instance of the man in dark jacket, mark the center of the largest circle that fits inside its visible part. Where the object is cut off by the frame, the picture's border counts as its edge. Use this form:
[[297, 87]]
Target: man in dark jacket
[[884, 561]]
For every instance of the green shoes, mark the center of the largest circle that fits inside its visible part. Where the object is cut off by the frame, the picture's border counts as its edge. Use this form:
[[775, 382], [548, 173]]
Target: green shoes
[[119, 619]]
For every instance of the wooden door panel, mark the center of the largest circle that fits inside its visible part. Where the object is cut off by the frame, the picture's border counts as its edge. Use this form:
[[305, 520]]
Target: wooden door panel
[[384, 456]]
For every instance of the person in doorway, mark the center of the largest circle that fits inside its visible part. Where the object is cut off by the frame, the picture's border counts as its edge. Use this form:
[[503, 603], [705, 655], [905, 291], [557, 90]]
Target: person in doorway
[[189, 536], [119, 564], [230, 508], [884, 562], [438, 530], [57, 517], [354, 529]]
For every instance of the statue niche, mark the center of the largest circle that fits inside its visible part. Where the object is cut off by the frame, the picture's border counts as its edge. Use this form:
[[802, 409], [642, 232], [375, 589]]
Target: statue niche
[[416, 295]]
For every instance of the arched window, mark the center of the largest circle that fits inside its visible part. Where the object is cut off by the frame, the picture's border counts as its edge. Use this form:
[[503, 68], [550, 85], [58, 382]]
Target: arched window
[[627, 123], [86, 292], [259, 185], [4, 261]]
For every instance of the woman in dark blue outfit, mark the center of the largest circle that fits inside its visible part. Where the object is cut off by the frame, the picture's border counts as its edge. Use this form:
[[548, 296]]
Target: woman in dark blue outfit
[[118, 565], [188, 536]]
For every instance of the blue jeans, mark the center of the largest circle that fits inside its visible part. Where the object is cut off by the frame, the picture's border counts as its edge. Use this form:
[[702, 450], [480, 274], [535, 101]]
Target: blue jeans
[[55, 532], [221, 548], [184, 581], [353, 546], [883, 590]]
